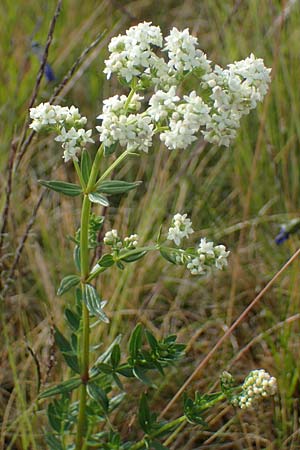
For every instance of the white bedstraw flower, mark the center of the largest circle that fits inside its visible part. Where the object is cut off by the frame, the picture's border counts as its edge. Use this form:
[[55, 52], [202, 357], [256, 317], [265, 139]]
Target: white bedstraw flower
[[234, 92], [185, 122], [183, 53], [73, 141], [208, 255], [45, 115], [131, 241], [181, 228], [162, 104], [112, 238], [134, 131], [131, 54], [257, 385]]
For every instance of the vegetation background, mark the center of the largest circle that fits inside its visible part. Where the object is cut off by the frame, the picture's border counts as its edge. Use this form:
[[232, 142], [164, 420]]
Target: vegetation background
[[237, 196]]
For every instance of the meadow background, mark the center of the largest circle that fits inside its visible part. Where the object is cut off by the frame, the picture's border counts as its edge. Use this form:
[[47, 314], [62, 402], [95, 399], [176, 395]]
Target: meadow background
[[237, 196]]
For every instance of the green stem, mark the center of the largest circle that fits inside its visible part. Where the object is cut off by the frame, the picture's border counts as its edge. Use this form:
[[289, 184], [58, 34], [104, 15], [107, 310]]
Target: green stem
[[165, 428], [84, 261], [95, 169], [82, 182], [112, 167], [97, 270]]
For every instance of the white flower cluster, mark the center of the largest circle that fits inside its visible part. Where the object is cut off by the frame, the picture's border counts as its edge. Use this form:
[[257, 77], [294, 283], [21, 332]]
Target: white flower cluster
[[131, 53], [229, 93], [234, 92], [205, 256], [133, 131], [185, 122], [67, 122], [257, 385], [208, 255], [181, 228], [183, 53], [112, 239]]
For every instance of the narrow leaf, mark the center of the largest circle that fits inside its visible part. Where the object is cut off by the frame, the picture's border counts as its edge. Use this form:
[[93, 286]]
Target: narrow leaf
[[113, 187], [95, 197], [115, 356], [61, 388], [98, 395], [52, 442], [106, 261], [67, 283], [73, 319], [134, 256], [135, 342], [94, 303], [86, 165], [70, 189]]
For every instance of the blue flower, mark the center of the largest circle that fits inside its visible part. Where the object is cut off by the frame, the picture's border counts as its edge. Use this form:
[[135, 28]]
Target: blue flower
[[282, 236]]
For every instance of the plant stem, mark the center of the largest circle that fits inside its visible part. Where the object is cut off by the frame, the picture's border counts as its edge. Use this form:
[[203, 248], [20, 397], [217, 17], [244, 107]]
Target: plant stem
[[84, 261], [76, 165], [167, 427], [95, 169], [112, 167]]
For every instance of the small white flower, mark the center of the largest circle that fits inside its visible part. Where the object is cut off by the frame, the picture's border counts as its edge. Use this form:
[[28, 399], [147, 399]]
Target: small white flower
[[258, 384], [181, 228], [162, 104], [183, 53], [111, 237], [132, 54], [131, 241]]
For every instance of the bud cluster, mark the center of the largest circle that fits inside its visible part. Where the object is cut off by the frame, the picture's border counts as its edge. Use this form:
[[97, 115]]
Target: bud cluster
[[112, 239], [257, 385]]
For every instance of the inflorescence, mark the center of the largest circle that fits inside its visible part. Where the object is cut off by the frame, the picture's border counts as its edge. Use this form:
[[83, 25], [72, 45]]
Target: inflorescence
[[198, 261], [257, 385], [144, 60]]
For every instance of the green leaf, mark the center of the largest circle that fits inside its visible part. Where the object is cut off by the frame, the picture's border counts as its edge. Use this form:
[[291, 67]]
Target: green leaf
[[95, 197], [151, 340], [70, 189], [67, 283], [86, 165], [67, 350], [115, 356], [52, 442], [61, 388], [120, 265], [135, 342], [132, 256], [76, 257], [166, 254], [140, 374], [73, 319], [144, 414], [118, 381], [110, 150], [125, 370], [54, 418], [106, 261], [94, 303], [113, 187], [98, 395]]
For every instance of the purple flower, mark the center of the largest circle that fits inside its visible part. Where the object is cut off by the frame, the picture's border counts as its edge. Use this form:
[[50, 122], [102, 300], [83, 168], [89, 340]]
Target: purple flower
[[282, 236]]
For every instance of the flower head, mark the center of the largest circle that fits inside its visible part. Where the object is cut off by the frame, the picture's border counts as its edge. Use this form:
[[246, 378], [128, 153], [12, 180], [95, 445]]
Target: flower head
[[181, 228], [257, 385]]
